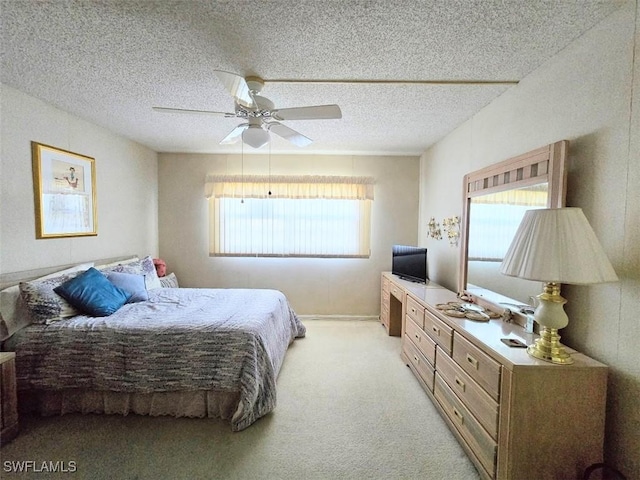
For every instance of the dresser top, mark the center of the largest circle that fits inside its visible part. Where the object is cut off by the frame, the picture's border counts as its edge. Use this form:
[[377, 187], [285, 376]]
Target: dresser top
[[486, 333]]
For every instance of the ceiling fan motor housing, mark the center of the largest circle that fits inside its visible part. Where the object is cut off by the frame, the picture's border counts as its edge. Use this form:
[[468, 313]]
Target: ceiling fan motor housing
[[255, 84]]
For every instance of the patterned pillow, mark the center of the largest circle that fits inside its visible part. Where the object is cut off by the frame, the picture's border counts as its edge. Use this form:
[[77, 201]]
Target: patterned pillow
[[170, 281], [43, 304], [15, 310], [141, 267], [118, 262]]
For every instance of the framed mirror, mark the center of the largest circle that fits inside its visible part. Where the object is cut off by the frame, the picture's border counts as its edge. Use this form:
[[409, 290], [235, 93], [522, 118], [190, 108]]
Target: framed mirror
[[495, 200]]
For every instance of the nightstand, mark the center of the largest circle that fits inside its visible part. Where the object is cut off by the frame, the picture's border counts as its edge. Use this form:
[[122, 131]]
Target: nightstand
[[8, 397]]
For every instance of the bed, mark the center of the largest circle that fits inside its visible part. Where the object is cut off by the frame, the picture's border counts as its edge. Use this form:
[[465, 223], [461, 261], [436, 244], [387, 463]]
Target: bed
[[182, 352]]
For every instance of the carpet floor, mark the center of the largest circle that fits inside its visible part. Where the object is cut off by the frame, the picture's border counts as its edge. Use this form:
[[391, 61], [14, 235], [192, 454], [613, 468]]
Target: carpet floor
[[348, 408]]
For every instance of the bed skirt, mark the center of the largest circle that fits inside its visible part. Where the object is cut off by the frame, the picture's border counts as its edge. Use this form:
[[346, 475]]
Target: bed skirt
[[197, 404]]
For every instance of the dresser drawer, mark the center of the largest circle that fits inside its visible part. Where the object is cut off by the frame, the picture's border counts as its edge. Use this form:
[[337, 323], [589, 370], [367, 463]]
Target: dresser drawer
[[480, 442], [396, 291], [418, 361], [386, 287], [384, 310], [385, 321], [384, 302], [483, 407], [415, 311], [385, 299], [438, 331], [385, 291], [421, 340], [480, 367]]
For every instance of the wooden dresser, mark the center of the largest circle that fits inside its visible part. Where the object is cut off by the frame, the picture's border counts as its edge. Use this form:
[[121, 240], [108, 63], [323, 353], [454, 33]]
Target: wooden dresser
[[517, 417]]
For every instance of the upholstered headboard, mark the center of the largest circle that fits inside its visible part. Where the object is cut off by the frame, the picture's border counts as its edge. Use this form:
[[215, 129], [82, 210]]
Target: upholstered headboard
[[14, 278]]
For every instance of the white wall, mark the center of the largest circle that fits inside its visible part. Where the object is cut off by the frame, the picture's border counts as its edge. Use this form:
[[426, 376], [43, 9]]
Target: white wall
[[587, 94], [126, 187], [315, 286]]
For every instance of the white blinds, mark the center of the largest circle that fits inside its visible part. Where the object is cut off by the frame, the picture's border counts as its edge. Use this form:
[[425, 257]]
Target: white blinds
[[494, 219]]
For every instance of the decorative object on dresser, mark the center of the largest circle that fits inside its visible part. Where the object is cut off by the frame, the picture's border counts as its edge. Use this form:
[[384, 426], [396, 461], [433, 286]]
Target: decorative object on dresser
[[556, 246], [8, 398], [495, 398]]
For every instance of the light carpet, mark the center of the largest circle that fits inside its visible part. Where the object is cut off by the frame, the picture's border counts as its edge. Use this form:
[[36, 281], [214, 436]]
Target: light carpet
[[348, 408]]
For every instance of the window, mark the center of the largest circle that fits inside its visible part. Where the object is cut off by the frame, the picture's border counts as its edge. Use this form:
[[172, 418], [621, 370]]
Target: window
[[289, 216]]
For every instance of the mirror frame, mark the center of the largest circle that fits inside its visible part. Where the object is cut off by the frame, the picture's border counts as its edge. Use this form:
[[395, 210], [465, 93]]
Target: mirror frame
[[545, 164]]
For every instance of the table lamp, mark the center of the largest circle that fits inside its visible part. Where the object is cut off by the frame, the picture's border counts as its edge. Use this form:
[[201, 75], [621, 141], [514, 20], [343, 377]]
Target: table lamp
[[555, 246]]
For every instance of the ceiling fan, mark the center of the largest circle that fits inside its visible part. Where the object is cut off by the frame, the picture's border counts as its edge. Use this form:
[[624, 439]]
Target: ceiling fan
[[260, 115]]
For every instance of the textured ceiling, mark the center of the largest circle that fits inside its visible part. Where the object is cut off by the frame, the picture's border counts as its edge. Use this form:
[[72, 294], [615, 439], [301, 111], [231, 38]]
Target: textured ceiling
[[109, 62]]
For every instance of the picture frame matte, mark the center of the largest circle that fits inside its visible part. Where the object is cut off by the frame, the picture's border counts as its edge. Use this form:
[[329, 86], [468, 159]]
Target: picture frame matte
[[64, 187]]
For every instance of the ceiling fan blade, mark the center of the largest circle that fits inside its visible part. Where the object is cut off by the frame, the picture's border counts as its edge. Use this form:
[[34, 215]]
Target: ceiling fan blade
[[184, 110], [318, 112], [237, 87], [289, 134], [235, 134]]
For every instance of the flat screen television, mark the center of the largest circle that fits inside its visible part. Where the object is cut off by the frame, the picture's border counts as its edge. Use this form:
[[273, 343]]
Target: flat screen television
[[410, 263]]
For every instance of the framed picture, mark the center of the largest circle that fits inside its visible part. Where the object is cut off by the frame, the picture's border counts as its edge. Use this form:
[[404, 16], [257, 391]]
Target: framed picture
[[64, 186]]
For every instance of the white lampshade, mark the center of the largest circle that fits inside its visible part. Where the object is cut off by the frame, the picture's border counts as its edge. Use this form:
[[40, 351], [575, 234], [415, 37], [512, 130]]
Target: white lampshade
[[557, 245], [255, 136]]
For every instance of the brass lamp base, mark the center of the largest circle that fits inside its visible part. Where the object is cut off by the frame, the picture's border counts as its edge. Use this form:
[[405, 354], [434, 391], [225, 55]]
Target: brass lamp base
[[549, 348], [551, 317]]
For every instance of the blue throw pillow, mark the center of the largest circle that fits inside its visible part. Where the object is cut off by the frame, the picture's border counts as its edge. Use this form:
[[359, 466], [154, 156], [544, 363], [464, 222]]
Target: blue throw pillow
[[92, 293], [132, 284]]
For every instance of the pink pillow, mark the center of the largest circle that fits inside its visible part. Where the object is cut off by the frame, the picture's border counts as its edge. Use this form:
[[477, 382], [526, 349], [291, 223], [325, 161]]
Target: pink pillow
[[161, 267]]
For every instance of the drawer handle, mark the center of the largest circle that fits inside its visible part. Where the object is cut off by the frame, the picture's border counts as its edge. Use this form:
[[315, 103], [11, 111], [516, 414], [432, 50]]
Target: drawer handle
[[417, 336], [460, 383], [472, 361], [413, 310], [436, 330], [458, 416], [415, 357]]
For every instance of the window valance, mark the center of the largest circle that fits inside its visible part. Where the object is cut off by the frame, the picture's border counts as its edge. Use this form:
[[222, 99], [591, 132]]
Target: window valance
[[530, 196], [255, 186]]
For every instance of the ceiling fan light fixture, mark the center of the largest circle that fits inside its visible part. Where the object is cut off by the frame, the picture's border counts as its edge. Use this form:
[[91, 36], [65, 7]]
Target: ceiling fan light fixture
[[255, 136]]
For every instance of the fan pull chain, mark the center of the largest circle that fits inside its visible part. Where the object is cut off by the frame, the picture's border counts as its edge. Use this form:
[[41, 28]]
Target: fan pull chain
[[242, 169], [269, 168]]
